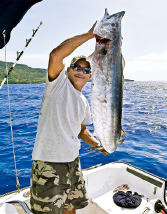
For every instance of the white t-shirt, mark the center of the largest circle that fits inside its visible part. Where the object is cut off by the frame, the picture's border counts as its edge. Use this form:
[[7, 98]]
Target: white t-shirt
[[63, 110]]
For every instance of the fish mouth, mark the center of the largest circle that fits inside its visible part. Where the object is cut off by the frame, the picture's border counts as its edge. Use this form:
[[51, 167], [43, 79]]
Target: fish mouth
[[103, 40], [113, 31]]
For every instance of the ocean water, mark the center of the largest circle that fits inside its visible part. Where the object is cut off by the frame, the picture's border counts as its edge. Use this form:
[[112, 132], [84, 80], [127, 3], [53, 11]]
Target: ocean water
[[144, 120]]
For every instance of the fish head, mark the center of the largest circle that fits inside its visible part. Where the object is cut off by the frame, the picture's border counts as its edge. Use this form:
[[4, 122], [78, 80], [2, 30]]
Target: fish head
[[109, 26]]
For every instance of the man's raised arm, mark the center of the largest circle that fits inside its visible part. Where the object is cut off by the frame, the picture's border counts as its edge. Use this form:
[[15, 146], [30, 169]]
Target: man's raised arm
[[63, 50]]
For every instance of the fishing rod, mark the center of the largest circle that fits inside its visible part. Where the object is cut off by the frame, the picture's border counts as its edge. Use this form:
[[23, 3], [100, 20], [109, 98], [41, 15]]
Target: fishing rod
[[19, 54]]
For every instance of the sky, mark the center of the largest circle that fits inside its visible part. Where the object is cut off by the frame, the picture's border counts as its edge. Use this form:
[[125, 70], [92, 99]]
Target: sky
[[144, 32]]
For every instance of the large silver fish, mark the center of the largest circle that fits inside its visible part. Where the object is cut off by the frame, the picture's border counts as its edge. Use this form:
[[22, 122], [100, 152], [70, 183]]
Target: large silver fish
[[107, 82]]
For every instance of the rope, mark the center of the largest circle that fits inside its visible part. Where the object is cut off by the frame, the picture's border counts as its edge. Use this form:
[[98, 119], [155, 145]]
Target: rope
[[17, 179], [8, 71]]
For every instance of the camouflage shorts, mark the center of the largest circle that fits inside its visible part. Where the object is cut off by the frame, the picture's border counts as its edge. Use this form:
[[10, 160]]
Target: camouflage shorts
[[57, 186]]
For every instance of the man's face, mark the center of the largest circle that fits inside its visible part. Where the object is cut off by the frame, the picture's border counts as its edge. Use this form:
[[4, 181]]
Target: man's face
[[78, 78]]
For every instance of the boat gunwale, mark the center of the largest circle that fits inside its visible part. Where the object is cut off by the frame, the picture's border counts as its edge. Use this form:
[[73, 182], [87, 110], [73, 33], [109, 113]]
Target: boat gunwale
[[101, 165], [14, 191]]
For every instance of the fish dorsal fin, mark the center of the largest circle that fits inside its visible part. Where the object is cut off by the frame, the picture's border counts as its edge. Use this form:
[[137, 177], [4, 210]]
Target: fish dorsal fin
[[121, 141], [123, 62], [123, 133], [90, 57], [106, 14]]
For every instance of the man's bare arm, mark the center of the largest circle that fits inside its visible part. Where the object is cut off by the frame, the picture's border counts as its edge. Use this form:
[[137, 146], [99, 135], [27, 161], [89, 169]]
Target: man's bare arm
[[88, 138], [63, 50]]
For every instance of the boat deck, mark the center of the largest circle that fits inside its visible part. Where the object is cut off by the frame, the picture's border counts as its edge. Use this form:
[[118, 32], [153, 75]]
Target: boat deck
[[101, 183]]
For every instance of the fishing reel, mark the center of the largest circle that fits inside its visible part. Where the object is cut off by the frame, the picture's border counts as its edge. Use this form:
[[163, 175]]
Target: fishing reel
[[159, 207]]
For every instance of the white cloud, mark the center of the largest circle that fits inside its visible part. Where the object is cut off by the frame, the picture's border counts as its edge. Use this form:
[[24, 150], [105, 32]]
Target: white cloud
[[150, 67], [35, 60], [32, 60]]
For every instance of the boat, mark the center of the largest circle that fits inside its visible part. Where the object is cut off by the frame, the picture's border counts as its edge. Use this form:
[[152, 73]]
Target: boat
[[102, 183]]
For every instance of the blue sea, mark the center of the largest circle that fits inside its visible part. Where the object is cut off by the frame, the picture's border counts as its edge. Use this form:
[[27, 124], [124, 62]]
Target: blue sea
[[144, 120]]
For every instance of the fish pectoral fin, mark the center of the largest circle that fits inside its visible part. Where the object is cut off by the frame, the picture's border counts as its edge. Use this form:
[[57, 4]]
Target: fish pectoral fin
[[94, 134], [123, 62], [90, 57], [123, 133], [121, 141]]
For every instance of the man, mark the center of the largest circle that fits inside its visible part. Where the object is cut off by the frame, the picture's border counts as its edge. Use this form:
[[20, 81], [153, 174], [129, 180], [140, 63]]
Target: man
[[57, 185]]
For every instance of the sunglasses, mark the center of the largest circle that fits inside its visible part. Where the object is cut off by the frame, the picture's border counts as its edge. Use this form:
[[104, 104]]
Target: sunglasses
[[78, 68]]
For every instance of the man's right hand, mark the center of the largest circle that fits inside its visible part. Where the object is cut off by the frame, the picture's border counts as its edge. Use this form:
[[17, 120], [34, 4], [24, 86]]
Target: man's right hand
[[92, 29], [99, 148]]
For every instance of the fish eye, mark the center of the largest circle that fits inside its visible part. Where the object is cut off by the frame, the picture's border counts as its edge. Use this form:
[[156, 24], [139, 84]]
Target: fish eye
[[113, 24]]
